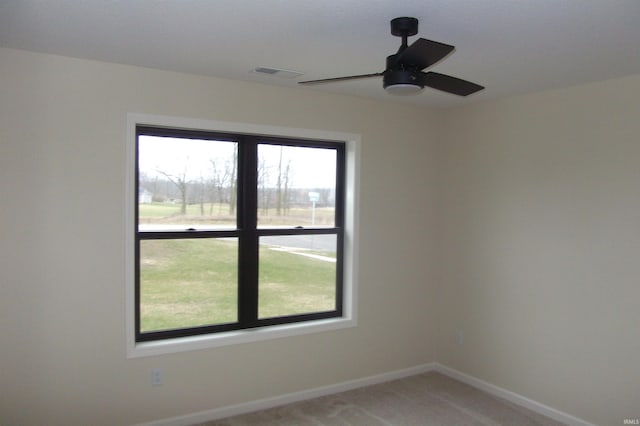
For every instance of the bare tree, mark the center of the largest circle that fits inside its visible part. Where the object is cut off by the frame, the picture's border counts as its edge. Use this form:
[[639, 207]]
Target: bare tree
[[222, 185], [233, 178], [263, 179], [283, 184], [287, 186], [180, 181], [218, 183], [201, 193], [325, 196]]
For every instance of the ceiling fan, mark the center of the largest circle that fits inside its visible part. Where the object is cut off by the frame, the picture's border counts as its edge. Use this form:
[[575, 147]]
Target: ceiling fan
[[404, 73]]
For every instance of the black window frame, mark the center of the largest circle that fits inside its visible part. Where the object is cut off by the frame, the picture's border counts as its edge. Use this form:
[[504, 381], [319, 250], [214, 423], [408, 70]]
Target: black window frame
[[247, 230]]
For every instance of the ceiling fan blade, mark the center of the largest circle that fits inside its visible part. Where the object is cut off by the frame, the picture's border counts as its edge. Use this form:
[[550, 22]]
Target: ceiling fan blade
[[449, 84], [336, 79], [423, 53]]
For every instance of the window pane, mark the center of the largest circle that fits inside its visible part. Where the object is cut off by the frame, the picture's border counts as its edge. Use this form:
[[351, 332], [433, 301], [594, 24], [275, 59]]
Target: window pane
[[186, 183], [188, 283], [297, 275], [296, 186]]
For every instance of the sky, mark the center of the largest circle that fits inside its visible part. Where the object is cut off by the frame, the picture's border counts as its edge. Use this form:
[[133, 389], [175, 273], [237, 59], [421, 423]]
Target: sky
[[309, 167]]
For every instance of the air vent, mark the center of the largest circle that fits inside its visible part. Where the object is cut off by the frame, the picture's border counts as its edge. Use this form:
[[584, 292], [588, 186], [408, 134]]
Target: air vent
[[277, 72]]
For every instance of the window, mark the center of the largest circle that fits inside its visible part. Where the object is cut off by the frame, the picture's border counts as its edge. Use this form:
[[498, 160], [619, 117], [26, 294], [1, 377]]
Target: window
[[238, 232]]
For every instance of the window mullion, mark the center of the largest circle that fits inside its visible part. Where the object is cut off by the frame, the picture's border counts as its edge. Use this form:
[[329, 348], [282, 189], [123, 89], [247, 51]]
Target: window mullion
[[247, 222]]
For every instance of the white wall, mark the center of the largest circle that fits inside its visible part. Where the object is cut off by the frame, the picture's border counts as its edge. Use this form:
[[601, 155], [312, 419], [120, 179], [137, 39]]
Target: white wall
[[62, 159], [541, 232]]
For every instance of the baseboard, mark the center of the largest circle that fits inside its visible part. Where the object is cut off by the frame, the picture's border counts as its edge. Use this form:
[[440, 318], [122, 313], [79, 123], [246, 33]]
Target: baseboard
[[262, 404], [511, 397]]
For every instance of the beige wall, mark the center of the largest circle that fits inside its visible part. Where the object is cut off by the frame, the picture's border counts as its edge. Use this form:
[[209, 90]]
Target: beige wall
[[62, 331], [541, 232], [514, 221]]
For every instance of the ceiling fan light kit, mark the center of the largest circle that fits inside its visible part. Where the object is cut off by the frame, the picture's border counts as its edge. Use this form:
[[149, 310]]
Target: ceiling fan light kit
[[402, 83], [404, 73]]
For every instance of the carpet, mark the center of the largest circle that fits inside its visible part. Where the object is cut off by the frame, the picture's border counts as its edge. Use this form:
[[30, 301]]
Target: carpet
[[422, 400]]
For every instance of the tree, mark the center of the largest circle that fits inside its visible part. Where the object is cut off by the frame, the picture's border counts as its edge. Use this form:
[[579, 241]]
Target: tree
[[282, 185], [264, 200], [233, 189], [201, 193], [223, 185], [287, 186], [180, 181], [217, 183], [279, 186], [325, 196]]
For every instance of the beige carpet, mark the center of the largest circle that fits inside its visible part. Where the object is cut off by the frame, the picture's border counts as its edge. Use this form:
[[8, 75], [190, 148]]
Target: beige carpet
[[422, 400]]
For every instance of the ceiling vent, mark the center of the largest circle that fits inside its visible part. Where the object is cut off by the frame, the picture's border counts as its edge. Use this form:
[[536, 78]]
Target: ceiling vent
[[277, 72]]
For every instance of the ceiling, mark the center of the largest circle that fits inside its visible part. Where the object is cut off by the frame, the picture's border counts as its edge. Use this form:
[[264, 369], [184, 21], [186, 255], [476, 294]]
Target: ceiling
[[510, 47]]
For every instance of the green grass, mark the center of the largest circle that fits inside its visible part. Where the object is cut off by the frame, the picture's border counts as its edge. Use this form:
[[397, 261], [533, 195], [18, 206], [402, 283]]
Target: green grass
[[158, 210], [293, 284], [186, 283], [219, 213], [168, 212]]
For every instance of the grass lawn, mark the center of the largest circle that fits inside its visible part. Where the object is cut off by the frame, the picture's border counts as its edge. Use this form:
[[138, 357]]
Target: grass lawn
[[293, 284], [186, 283], [219, 213]]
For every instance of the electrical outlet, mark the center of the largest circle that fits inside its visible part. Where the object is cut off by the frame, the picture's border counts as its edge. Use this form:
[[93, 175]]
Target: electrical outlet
[[459, 337], [156, 377]]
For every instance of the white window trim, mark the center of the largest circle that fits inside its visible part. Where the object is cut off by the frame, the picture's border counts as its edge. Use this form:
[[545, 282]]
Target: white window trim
[[349, 319]]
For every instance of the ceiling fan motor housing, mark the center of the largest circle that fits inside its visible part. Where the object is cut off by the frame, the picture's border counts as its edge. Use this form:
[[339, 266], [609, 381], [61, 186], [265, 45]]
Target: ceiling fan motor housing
[[403, 78], [406, 79]]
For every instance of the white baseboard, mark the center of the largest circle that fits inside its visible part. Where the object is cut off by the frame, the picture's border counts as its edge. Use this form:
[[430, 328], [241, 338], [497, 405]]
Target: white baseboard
[[512, 397], [262, 404]]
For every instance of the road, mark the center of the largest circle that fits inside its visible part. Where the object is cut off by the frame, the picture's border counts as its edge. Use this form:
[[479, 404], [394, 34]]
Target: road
[[309, 242]]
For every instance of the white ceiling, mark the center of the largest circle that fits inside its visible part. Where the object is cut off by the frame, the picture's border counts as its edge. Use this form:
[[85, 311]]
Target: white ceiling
[[509, 46]]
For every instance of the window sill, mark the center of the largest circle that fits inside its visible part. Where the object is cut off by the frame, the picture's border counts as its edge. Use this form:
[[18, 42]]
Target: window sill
[[143, 349]]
